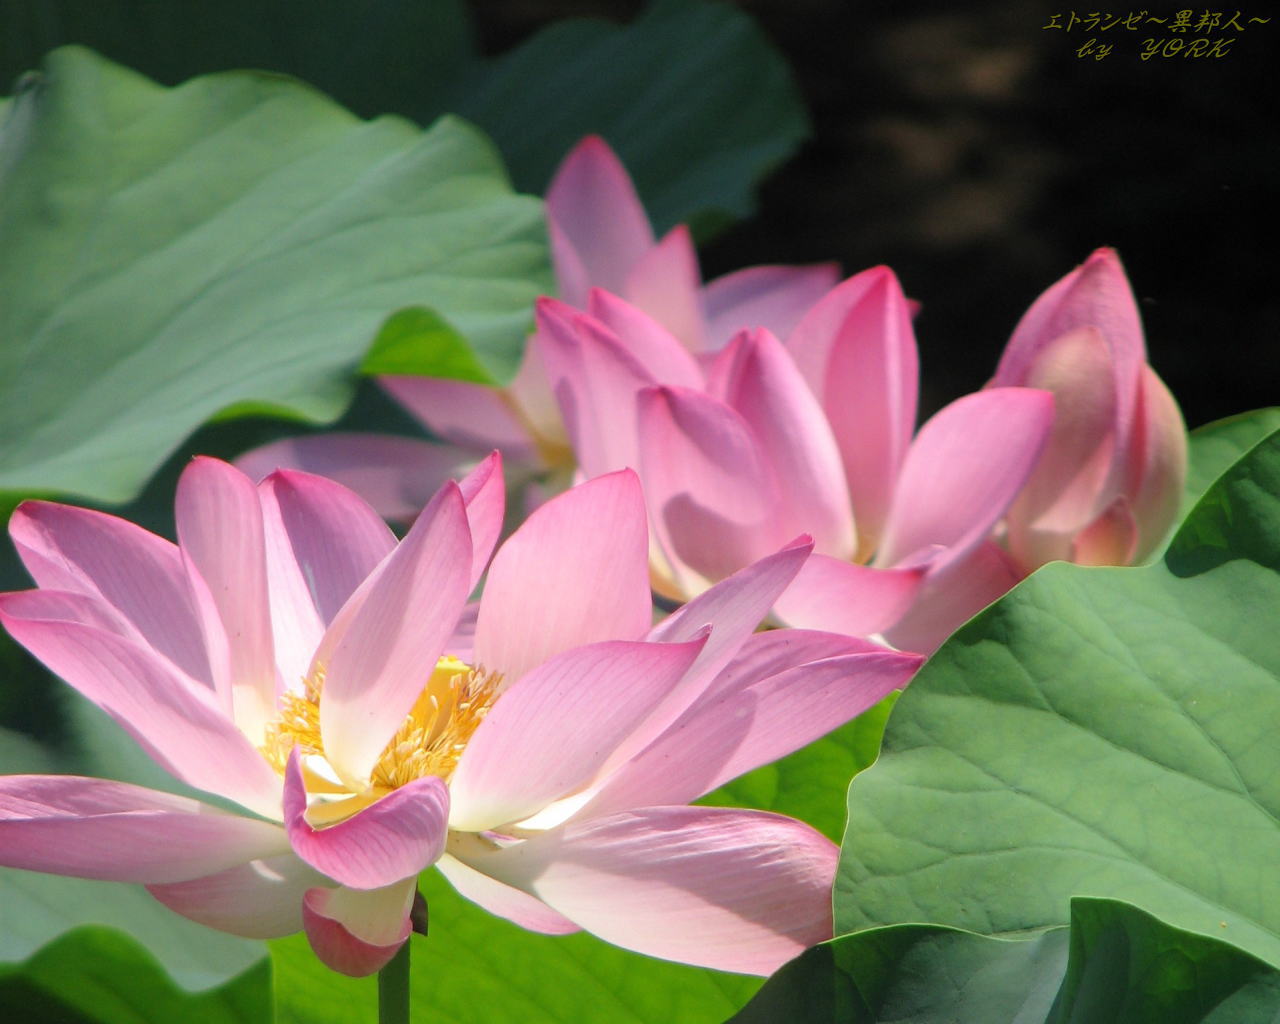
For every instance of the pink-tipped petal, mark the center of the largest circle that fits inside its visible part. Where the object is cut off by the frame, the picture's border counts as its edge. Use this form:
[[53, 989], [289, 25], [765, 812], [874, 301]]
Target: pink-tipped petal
[[965, 467], [732, 890], [1110, 539], [220, 532], [500, 899], [755, 376], [832, 594], [773, 297], [381, 646], [396, 475], [475, 417], [322, 541], [666, 282], [355, 932], [711, 497], [394, 838], [178, 721], [258, 900], [134, 572], [599, 230], [857, 350], [113, 831], [484, 493], [753, 723], [575, 572], [1158, 460], [559, 723], [647, 340]]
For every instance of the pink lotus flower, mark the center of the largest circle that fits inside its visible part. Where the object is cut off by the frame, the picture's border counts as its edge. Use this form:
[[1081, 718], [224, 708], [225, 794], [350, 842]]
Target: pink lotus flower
[[289, 656], [767, 439], [1107, 489], [600, 237]]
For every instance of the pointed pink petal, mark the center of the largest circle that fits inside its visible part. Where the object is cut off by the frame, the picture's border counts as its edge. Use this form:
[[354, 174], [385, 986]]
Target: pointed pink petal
[[137, 574], [93, 828], [647, 340], [484, 492], [832, 594], [175, 719], [221, 535], [755, 376], [764, 716], [599, 230], [549, 734], [383, 643], [474, 417], [1108, 540], [773, 297], [711, 497], [355, 932], [500, 899], [396, 837], [595, 379], [727, 889], [952, 597], [857, 350], [258, 900], [322, 540], [574, 573], [666, 283], [396, 475], [1158, 459], [965, 467]]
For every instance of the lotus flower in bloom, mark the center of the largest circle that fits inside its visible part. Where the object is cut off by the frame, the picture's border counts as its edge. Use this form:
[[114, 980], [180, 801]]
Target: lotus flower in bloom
[[289, 656], [1107, 489], [600, 237], [767, 439]]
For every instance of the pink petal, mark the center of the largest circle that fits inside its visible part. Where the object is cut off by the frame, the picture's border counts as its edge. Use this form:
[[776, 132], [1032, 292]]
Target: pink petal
[[261, 899], [832, 594], [356, 933], [574, 573], [711, 497], [727, 889], [773, 297], [500, 899], [220, 532], [755, 376], [322, 540], [953, 596], [382, 645], [1158, 459], [549, 734], [857, 350], [1108, 540], [475, 417], [965, 467], [666, 282], [484, 494], [598, 228], [650, 343], [112, 831], [137, 574], [396, 475], [400, 835], [765, 715], [178, 721]]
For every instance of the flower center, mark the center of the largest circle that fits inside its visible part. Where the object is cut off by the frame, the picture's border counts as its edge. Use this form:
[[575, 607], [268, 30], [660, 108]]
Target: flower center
[[450, 708]]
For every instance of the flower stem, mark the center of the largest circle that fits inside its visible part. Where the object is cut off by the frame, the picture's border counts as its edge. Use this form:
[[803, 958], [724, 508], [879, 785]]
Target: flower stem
[[393, 989]]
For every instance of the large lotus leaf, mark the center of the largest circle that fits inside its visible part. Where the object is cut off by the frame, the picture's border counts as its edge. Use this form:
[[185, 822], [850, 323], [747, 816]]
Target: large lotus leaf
[[1216, 446], [1098, 731], [231, 244], [474, 968], [1116, 965]]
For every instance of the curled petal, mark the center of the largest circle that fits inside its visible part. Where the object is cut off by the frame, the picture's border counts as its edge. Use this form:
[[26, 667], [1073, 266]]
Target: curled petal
[[665, 283], [357, 932], [652, 344], [500, 899], [832, 594], [484, 493], [773, 297]]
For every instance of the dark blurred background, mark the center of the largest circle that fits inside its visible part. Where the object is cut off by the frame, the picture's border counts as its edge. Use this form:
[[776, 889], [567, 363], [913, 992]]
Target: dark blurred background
[[972, 150]]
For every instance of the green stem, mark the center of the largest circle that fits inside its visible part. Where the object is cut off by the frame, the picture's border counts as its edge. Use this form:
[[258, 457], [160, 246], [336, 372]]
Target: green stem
[[393, 989]]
